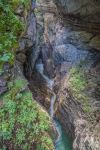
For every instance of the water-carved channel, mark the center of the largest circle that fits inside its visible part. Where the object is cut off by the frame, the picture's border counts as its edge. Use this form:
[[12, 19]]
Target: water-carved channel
[[63, 142]]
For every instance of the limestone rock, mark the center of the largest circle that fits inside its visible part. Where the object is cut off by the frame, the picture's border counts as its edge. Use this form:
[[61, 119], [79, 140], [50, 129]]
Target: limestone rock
[[83, 8]]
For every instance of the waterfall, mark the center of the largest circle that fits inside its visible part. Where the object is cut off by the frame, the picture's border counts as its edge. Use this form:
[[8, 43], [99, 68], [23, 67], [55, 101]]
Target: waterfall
[[40, 69], [62, 140], [52, 102]]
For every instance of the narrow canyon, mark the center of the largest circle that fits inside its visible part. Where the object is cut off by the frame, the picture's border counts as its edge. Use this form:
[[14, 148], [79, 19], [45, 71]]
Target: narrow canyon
[[59, 58]]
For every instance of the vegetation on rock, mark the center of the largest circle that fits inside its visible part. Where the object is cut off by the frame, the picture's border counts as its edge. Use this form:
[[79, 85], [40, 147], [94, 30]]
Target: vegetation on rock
[[78, 86], [24, 124], [10, 29]]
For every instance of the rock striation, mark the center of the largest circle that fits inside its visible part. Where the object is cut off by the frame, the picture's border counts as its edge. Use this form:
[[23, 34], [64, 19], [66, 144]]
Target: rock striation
[[69, 38]]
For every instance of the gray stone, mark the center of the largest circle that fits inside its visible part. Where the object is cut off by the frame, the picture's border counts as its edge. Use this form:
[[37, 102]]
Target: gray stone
[[3, 89], [21, 57], [79, 8], [69, 53], [2, 82], [95, 42]]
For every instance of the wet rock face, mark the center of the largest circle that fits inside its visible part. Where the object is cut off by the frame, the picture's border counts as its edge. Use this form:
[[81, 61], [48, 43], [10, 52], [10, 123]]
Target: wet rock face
[[28, 50], [84, 16], [61, 45], [28, 38], [28, 42], [72, 116], [88, 9], [71, 51], [70, 47], [47, 54], [39, 89]]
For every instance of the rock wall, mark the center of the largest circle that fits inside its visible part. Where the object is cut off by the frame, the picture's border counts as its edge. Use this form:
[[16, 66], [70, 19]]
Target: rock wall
[[27, 41], [70, 38], [73, 45], [86, 10], [25, 59]]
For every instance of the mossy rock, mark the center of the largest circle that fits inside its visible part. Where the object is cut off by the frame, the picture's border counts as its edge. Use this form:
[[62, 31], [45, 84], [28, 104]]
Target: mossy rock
[[24, 123]]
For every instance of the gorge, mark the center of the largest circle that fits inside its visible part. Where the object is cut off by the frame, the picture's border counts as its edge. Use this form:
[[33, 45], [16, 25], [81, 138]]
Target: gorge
[[58, 58], [62, 142]]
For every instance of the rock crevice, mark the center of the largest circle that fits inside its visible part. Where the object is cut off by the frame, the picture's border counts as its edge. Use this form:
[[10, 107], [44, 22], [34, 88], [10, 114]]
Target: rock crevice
[[67, 41]]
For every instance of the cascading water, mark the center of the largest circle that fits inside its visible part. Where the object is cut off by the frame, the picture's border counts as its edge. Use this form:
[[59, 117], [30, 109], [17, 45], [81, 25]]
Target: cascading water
[[40, 69], [52, 102], [62, 142]]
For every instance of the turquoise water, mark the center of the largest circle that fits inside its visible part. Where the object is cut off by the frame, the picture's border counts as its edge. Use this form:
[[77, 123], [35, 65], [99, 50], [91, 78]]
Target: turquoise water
[[63, 142]]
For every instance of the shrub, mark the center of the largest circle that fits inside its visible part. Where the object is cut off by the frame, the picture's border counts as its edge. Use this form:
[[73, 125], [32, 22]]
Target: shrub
[[78, 84], [11, 28], [23, 122]]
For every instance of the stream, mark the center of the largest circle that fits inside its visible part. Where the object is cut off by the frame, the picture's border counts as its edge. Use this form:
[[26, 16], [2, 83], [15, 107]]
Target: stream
[[63, 142]]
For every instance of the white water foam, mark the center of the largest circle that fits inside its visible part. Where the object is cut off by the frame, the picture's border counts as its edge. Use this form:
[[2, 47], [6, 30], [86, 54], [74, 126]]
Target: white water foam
[[50, 83]]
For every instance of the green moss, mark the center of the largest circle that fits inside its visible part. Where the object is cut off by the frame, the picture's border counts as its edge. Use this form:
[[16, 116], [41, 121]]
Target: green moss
[[78, 85], [11, 28], [16, 3], [22, 121]]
